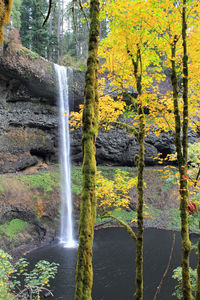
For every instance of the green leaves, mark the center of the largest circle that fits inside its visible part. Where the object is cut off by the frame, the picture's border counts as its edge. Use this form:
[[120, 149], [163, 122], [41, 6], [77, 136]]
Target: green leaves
[[177, 274], [35, 281]]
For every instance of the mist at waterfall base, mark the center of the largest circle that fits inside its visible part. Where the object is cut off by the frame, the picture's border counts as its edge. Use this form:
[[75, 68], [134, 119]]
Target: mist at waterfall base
[[114, 265], [66, 221]]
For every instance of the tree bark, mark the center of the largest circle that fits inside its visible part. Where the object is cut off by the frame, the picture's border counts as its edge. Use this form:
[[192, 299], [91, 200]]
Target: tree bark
[[181, 149], [84, 271], [197, 293], [140, 187]]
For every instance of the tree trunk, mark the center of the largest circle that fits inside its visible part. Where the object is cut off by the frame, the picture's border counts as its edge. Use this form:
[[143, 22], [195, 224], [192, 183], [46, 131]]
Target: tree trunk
[[58, 31], [181, 149], [50, 50], [197, 294], [84, 271], [140, 186]]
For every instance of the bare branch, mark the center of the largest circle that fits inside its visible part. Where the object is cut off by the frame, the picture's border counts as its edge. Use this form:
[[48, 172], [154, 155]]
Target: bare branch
[[48, 14], [167, 268]]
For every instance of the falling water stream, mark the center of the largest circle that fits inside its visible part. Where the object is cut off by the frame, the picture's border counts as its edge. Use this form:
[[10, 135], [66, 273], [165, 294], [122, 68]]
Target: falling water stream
[[66, 227]]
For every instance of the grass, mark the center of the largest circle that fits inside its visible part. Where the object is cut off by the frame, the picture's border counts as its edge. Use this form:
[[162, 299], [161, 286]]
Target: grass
[[13, 227]]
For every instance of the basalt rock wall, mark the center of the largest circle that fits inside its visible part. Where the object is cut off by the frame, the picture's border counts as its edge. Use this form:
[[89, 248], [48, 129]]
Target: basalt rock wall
[[29, 118]]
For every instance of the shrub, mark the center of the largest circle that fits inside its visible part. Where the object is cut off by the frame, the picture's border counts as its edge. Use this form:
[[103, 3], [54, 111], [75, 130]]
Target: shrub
[[34, 282]]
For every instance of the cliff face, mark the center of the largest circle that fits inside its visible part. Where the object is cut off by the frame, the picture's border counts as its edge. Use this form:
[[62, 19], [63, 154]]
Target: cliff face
[[28, 109], [29, 118]]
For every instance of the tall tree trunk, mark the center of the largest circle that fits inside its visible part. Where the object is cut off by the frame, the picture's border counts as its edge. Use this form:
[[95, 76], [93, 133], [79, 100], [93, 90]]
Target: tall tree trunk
[[62, 28], [58, 31], [140, 187], [84, 270], [186, 245], [50, 50], [181, 149]]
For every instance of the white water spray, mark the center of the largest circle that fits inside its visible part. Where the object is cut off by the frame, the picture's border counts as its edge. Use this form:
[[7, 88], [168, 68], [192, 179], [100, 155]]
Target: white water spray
[[66, 227]]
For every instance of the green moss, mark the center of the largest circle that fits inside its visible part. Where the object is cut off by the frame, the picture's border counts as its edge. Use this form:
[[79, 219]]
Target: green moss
[[13, 227], [28, 53], [45, 181]]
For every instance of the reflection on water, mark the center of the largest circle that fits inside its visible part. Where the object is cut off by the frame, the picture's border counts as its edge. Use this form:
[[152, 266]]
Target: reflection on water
[[114, 265]]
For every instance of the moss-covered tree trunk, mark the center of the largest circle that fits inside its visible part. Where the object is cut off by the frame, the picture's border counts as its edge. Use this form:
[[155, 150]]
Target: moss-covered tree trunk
[[181, 149], [5, 11], [140, 185], [84, 271], [197, 294]]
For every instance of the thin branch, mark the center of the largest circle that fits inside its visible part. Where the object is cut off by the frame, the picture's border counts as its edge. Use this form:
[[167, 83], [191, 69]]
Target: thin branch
[[74, 20], [167, 268], [83, 12], [39, 9], [125, 126], [197, 177], [31, 288], [48, 14], [101, 224], [127, 227]]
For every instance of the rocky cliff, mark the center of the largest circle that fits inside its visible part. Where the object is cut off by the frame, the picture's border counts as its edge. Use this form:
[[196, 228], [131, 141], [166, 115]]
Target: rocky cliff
[[29, 117], [28, 108]]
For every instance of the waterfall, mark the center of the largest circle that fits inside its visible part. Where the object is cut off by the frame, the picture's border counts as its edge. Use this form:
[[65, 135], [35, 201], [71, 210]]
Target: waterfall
[[66, 222]]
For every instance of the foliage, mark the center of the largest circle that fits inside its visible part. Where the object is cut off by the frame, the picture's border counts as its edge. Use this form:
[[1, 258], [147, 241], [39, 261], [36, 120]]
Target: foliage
[[33, 35], [16, 15], [18, 283], [177, 274], [114, 193], [13, 227], [73, 62], [109, 110]]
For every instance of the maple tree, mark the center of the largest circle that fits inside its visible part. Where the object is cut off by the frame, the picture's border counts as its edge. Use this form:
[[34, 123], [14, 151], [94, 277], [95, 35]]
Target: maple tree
[[177, 17]]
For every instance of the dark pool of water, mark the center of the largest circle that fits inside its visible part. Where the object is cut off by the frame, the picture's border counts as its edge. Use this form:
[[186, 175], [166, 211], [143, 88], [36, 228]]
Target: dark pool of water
[[114, 265]]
